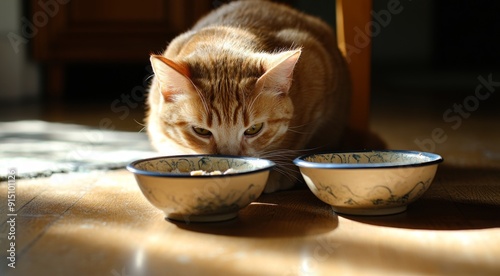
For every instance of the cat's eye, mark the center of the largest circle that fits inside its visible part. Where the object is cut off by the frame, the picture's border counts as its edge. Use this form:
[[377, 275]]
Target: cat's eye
[[254, 129], [202, 131]]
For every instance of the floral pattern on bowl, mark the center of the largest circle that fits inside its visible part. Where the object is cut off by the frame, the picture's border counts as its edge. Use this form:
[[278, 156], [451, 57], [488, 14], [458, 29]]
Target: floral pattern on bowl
[[203, 207], [184, 165], [167, 184], [369, 182], [367, 159]]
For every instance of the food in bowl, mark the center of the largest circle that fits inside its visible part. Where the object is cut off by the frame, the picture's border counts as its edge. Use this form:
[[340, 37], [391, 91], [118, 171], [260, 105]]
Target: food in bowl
[[369, 182], [186, 189], [202, 172]]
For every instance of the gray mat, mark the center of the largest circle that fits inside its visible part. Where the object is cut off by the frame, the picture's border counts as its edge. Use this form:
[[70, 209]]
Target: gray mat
[[38, 148]]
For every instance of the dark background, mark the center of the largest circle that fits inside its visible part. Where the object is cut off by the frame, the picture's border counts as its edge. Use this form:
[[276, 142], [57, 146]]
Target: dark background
[[435, 45], [434, 49]]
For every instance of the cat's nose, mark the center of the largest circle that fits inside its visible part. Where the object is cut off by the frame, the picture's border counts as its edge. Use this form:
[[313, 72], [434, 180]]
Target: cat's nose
[[228, 150]]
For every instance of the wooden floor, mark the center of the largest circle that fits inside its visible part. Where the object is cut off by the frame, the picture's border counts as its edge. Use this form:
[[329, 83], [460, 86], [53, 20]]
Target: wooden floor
[[464, 137], [100, 224]]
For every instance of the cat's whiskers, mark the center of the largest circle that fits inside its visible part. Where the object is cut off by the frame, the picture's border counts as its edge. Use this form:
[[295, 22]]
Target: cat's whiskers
[[302, 125], [294, 129], [278, 155], [290, 174], [285, 157], [281, 157], [298, 132], [284, 161]]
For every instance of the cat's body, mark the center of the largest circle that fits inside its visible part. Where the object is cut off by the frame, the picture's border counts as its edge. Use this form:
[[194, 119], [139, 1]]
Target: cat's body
[[234, 84]]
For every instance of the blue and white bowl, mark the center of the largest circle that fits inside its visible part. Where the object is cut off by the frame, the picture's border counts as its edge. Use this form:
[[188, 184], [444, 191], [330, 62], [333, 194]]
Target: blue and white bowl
[[369, 182], [167, 183]]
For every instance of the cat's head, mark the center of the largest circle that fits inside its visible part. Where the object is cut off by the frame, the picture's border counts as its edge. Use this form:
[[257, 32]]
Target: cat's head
[[222, 103]]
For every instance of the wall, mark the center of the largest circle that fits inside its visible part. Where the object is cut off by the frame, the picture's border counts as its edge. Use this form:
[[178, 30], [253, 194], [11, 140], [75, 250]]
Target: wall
[[19, 78], [406, 36]]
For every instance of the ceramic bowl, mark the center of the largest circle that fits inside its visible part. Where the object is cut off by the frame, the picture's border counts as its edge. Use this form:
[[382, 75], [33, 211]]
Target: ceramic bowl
[[369, 182], [167, 184]]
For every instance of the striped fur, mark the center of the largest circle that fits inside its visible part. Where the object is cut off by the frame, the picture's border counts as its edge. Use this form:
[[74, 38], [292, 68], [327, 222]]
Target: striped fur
[[244, 64]]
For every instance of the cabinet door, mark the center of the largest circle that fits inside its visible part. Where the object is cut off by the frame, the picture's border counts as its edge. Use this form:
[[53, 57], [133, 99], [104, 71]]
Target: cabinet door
[[111, 30]]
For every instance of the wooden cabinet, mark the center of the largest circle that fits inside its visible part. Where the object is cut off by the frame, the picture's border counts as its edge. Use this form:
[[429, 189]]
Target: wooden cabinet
[[106, 31]]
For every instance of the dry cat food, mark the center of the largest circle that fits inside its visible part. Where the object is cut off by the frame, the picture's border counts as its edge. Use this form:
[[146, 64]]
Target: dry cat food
[[202, 172]]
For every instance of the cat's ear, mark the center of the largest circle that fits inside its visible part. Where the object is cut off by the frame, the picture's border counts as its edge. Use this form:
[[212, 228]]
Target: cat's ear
[[173, 77], [279, 72]]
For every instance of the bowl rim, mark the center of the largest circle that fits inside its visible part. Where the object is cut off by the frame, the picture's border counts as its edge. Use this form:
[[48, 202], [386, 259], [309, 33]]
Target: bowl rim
[[131, 166], [434, 159]]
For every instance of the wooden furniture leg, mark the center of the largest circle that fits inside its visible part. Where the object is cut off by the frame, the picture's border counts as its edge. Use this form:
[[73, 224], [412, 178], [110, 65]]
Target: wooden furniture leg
[[354, 39]]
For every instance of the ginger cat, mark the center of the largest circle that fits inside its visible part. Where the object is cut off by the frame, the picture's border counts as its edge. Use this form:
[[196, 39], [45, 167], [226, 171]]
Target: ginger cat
[[252, 78]]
